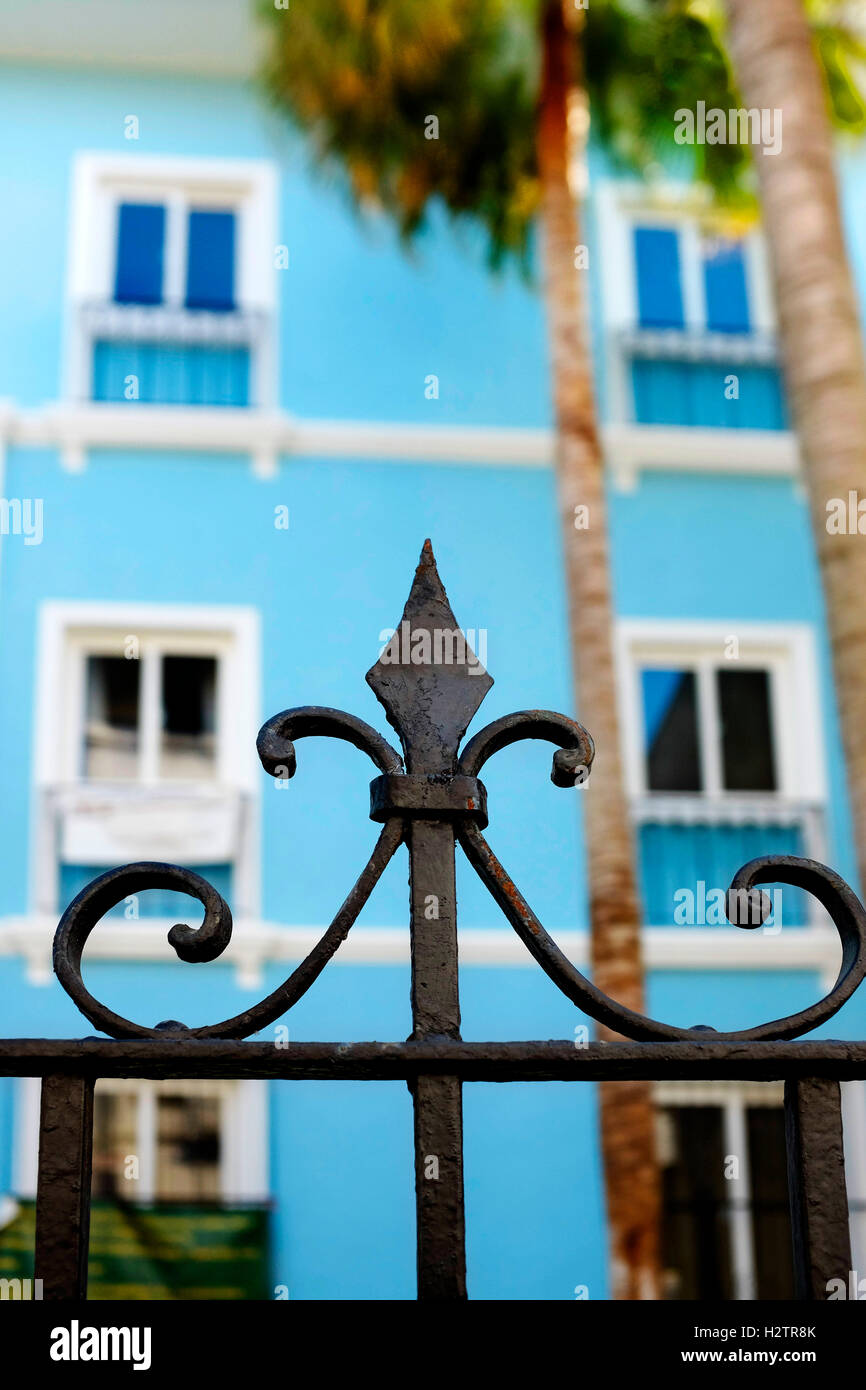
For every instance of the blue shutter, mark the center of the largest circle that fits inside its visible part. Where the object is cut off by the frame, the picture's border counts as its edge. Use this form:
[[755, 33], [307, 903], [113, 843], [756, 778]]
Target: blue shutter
[[725, 283], [210, 270], [140, 240], [141, 235], [659, 291]]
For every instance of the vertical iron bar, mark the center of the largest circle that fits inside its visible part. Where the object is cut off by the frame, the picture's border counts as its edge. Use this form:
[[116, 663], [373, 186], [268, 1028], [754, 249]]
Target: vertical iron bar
[[816, 1186], [63, 1190], [431, 684], [437, 1100]]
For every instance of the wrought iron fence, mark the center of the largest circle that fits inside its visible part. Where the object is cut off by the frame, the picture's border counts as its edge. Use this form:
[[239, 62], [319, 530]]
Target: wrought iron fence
[[431, 685]]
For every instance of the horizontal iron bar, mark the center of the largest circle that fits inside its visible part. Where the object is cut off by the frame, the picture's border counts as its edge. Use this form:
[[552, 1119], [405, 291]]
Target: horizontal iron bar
[[470, 1061]]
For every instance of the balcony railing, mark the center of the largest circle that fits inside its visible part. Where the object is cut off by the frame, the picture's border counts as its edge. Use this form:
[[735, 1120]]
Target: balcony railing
[[704, 380], [87, 826], [167, 323], [169, 355], [694, 844]]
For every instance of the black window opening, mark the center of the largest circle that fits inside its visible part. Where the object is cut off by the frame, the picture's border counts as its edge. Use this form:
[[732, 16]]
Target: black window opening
[[188, 733], [748, 759], [111, 736], [704, 1197], [673, 761], [732, 714]]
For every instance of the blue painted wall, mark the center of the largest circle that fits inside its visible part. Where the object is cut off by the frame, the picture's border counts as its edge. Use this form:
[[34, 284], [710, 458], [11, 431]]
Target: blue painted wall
[[360, 327]]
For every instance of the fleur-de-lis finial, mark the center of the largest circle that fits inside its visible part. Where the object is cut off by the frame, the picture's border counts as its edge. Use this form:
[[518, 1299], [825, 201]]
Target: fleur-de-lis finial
[[428, 678]]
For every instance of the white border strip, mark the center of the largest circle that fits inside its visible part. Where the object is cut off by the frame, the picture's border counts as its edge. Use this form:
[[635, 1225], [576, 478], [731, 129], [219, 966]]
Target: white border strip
[[264, 435], [257, 943]]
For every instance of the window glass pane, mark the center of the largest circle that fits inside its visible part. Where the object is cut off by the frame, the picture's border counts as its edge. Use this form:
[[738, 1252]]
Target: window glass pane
[[187, 742], [140, 240], [111, 728], [671, 730], [115, 1139], [659, 291], [695, 1241], [188, 1148], [210, 271], [748, 764], [725, 286], [771, 1222]]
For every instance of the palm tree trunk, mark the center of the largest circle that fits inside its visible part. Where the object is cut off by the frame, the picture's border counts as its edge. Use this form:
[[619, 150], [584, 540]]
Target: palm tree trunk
[[821, 346], [627, 1119]]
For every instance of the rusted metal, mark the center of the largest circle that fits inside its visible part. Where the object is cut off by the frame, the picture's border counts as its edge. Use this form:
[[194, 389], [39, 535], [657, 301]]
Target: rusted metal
[[430, 706], [430, 798], [63, 1185], [471, 1061], [816, 1185]]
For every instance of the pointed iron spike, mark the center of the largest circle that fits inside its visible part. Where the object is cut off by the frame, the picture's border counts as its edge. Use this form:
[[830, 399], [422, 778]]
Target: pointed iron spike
[[428, 678]]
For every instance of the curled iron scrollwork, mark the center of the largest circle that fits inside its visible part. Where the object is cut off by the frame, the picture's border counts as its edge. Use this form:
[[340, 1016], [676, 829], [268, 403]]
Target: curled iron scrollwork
[[205, 943], [839, 900], [431, 705]]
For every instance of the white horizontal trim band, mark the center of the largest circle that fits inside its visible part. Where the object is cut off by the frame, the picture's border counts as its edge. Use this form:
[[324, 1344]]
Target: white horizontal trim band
[[255, 944], [265, 435]]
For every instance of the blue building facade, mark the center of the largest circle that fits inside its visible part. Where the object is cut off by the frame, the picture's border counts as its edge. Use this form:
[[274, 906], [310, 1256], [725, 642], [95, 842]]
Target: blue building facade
[[231, 413]]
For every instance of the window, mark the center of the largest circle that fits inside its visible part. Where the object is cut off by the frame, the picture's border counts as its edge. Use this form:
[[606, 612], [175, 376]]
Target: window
[[745, 731], [725, 1225], [658, 266], [710, 734], [689, 319], [208, 236], [140, 238], [150, 716], [660, 298], [111, 744], [724, 710], [191, 1141], [725, 289], [694, 287], [671, 730], [180, 1190], [151, 712], [719, 767], [180, 1132], [210, 260], [172, 281], [673, 263]]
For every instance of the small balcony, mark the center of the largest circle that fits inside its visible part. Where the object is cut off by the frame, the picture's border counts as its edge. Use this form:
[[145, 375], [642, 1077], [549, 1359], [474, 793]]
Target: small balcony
[[703, 379], [91, 826], [170, 355], [690, 847]]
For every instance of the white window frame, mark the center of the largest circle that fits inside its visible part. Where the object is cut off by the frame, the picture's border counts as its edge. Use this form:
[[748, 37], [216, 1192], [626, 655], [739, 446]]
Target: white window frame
[[153, 646], [69, 630], [787, 650], [243, 1134], [100, 182], [622, 205]]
